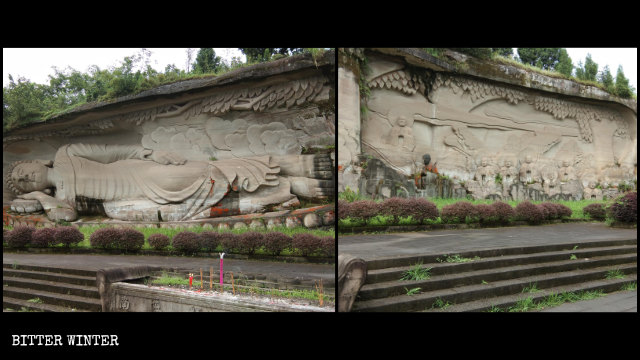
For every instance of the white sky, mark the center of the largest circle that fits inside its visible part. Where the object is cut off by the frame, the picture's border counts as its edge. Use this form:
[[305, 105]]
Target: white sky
[[627, 57], [37, 64]]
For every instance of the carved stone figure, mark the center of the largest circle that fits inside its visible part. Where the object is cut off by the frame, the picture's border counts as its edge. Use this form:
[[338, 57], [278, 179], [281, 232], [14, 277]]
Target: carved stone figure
[[401, 134], [591, 192], [484, 180], [528, 171], [509, 175], [567, 172], [550, 183], [129, 182]]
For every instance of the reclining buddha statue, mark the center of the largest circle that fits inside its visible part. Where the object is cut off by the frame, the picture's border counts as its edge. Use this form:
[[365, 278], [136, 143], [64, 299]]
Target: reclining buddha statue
[[130, 182]]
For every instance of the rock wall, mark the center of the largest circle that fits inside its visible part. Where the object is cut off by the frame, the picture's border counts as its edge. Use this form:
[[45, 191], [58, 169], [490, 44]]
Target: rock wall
[[488, 135], [282, 111]]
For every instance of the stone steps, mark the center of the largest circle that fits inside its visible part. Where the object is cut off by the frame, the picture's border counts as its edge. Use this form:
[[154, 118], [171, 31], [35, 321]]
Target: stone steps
[[41, 288], [499, 274]]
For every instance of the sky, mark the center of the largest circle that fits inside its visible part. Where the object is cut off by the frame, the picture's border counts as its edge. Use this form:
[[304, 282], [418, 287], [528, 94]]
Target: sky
[[36, 64], [627, 57]]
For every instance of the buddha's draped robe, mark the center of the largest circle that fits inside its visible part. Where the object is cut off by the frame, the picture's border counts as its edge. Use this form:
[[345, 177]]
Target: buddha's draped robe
[[121, 172]]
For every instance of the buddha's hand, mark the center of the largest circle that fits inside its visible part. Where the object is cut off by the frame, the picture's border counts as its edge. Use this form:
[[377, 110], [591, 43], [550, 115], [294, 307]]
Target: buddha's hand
[[165, 158], [34, 195]]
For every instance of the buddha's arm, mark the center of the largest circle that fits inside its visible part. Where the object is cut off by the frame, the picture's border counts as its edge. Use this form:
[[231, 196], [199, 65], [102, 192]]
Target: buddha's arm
[[106, 154], [55, 209]]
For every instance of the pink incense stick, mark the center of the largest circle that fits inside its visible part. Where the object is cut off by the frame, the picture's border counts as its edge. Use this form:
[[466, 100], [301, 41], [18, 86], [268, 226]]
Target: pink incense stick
[[221, 270]]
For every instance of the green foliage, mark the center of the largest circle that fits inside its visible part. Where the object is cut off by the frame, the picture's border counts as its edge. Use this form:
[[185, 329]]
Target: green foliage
[[440, 304], [606, 79], [413, 291], [564, 65], [543, 58], [482, 53], [208, 62], [257, 55], [614, 274], [456, 259], [417, 272], [622, 87], [588, 71], [350, 195], [506, 52]]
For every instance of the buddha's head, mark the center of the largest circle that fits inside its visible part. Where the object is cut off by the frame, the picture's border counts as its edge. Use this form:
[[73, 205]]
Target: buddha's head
[[27, 176]]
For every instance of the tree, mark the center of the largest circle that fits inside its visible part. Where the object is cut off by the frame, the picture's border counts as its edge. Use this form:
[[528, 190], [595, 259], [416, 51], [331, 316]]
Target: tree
[[544, 58], [623, 89], [207, 62], [564, 65], [23, 102], [590, 69], [606, 79], [506, 52], [265, 54]]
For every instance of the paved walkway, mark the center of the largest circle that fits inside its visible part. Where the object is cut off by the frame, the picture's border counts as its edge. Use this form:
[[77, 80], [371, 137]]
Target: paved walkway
[[455, 241], [272, 270], [623, 301], [370, 247]]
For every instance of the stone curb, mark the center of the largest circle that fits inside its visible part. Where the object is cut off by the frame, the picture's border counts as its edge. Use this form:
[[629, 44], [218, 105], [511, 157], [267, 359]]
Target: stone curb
[[402, 228]]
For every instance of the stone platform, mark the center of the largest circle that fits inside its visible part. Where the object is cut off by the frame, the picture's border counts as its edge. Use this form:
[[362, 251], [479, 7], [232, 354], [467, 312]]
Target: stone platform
[[311, 217]]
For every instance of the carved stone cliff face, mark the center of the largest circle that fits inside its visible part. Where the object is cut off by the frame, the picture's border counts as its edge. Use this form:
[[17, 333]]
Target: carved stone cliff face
[[281, 116], [467, 124]]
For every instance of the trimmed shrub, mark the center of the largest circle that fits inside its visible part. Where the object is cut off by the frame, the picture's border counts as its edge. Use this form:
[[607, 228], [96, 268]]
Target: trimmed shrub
[[462, 211], [68, 235], [421, 208], [328, 245], [306, 244], [343, 209], [187, 242], [363, 209], [249, 242], [131, 239], [563, 211], [210, 240], [276, 242], [229, 242], [396, 207], [159, 241], [625, 208], [487, 213], [595, 211], [43, 237], [549, 210], [504, 211], [529, 212], [20, 236], [105, 238]]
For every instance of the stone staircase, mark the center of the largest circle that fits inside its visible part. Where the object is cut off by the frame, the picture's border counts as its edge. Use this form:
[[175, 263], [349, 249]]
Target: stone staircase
[[38, 288], [496, 278]]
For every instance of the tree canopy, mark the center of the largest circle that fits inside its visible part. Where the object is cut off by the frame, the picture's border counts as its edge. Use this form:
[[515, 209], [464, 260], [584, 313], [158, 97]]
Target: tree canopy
[[26, 102]]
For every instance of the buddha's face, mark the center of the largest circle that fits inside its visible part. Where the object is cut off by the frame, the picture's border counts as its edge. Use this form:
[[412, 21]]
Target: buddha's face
[[507, 163], [402, 121], [484, 162], [565, 163], [528, 159], [28, 177], [592, 184]]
